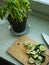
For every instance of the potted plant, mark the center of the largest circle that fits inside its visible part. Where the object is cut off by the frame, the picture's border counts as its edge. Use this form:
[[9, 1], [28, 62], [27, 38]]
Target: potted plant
[[17, 13]]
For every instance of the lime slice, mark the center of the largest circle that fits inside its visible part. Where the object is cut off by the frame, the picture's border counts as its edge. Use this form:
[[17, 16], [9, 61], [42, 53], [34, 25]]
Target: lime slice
[[31, 60], [42, 48]]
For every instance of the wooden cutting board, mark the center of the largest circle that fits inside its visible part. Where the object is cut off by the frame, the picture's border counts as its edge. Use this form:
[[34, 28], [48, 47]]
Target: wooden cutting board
[[18, 51]]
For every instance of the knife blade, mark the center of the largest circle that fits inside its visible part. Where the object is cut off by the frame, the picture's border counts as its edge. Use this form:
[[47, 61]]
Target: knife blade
[[46, 38]]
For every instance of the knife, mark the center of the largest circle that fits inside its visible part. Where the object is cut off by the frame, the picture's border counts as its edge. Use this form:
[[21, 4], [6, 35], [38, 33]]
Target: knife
[[46, 38]]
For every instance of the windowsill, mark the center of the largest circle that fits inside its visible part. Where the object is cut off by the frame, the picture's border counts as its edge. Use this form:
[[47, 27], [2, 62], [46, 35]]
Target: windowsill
[[37, 26]]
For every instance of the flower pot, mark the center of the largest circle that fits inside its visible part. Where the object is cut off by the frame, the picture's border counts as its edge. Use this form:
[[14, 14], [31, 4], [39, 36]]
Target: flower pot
[[16, 25]]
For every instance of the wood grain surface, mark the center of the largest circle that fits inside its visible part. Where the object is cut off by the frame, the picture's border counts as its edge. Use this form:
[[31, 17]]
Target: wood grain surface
[[18, 51]]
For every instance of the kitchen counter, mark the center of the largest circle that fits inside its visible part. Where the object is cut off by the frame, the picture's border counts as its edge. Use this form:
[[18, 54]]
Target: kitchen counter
[[36, 25]]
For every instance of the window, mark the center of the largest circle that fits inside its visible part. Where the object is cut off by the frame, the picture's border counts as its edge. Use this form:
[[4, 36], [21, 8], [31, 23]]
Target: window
[[43, 1], [41, 7]]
